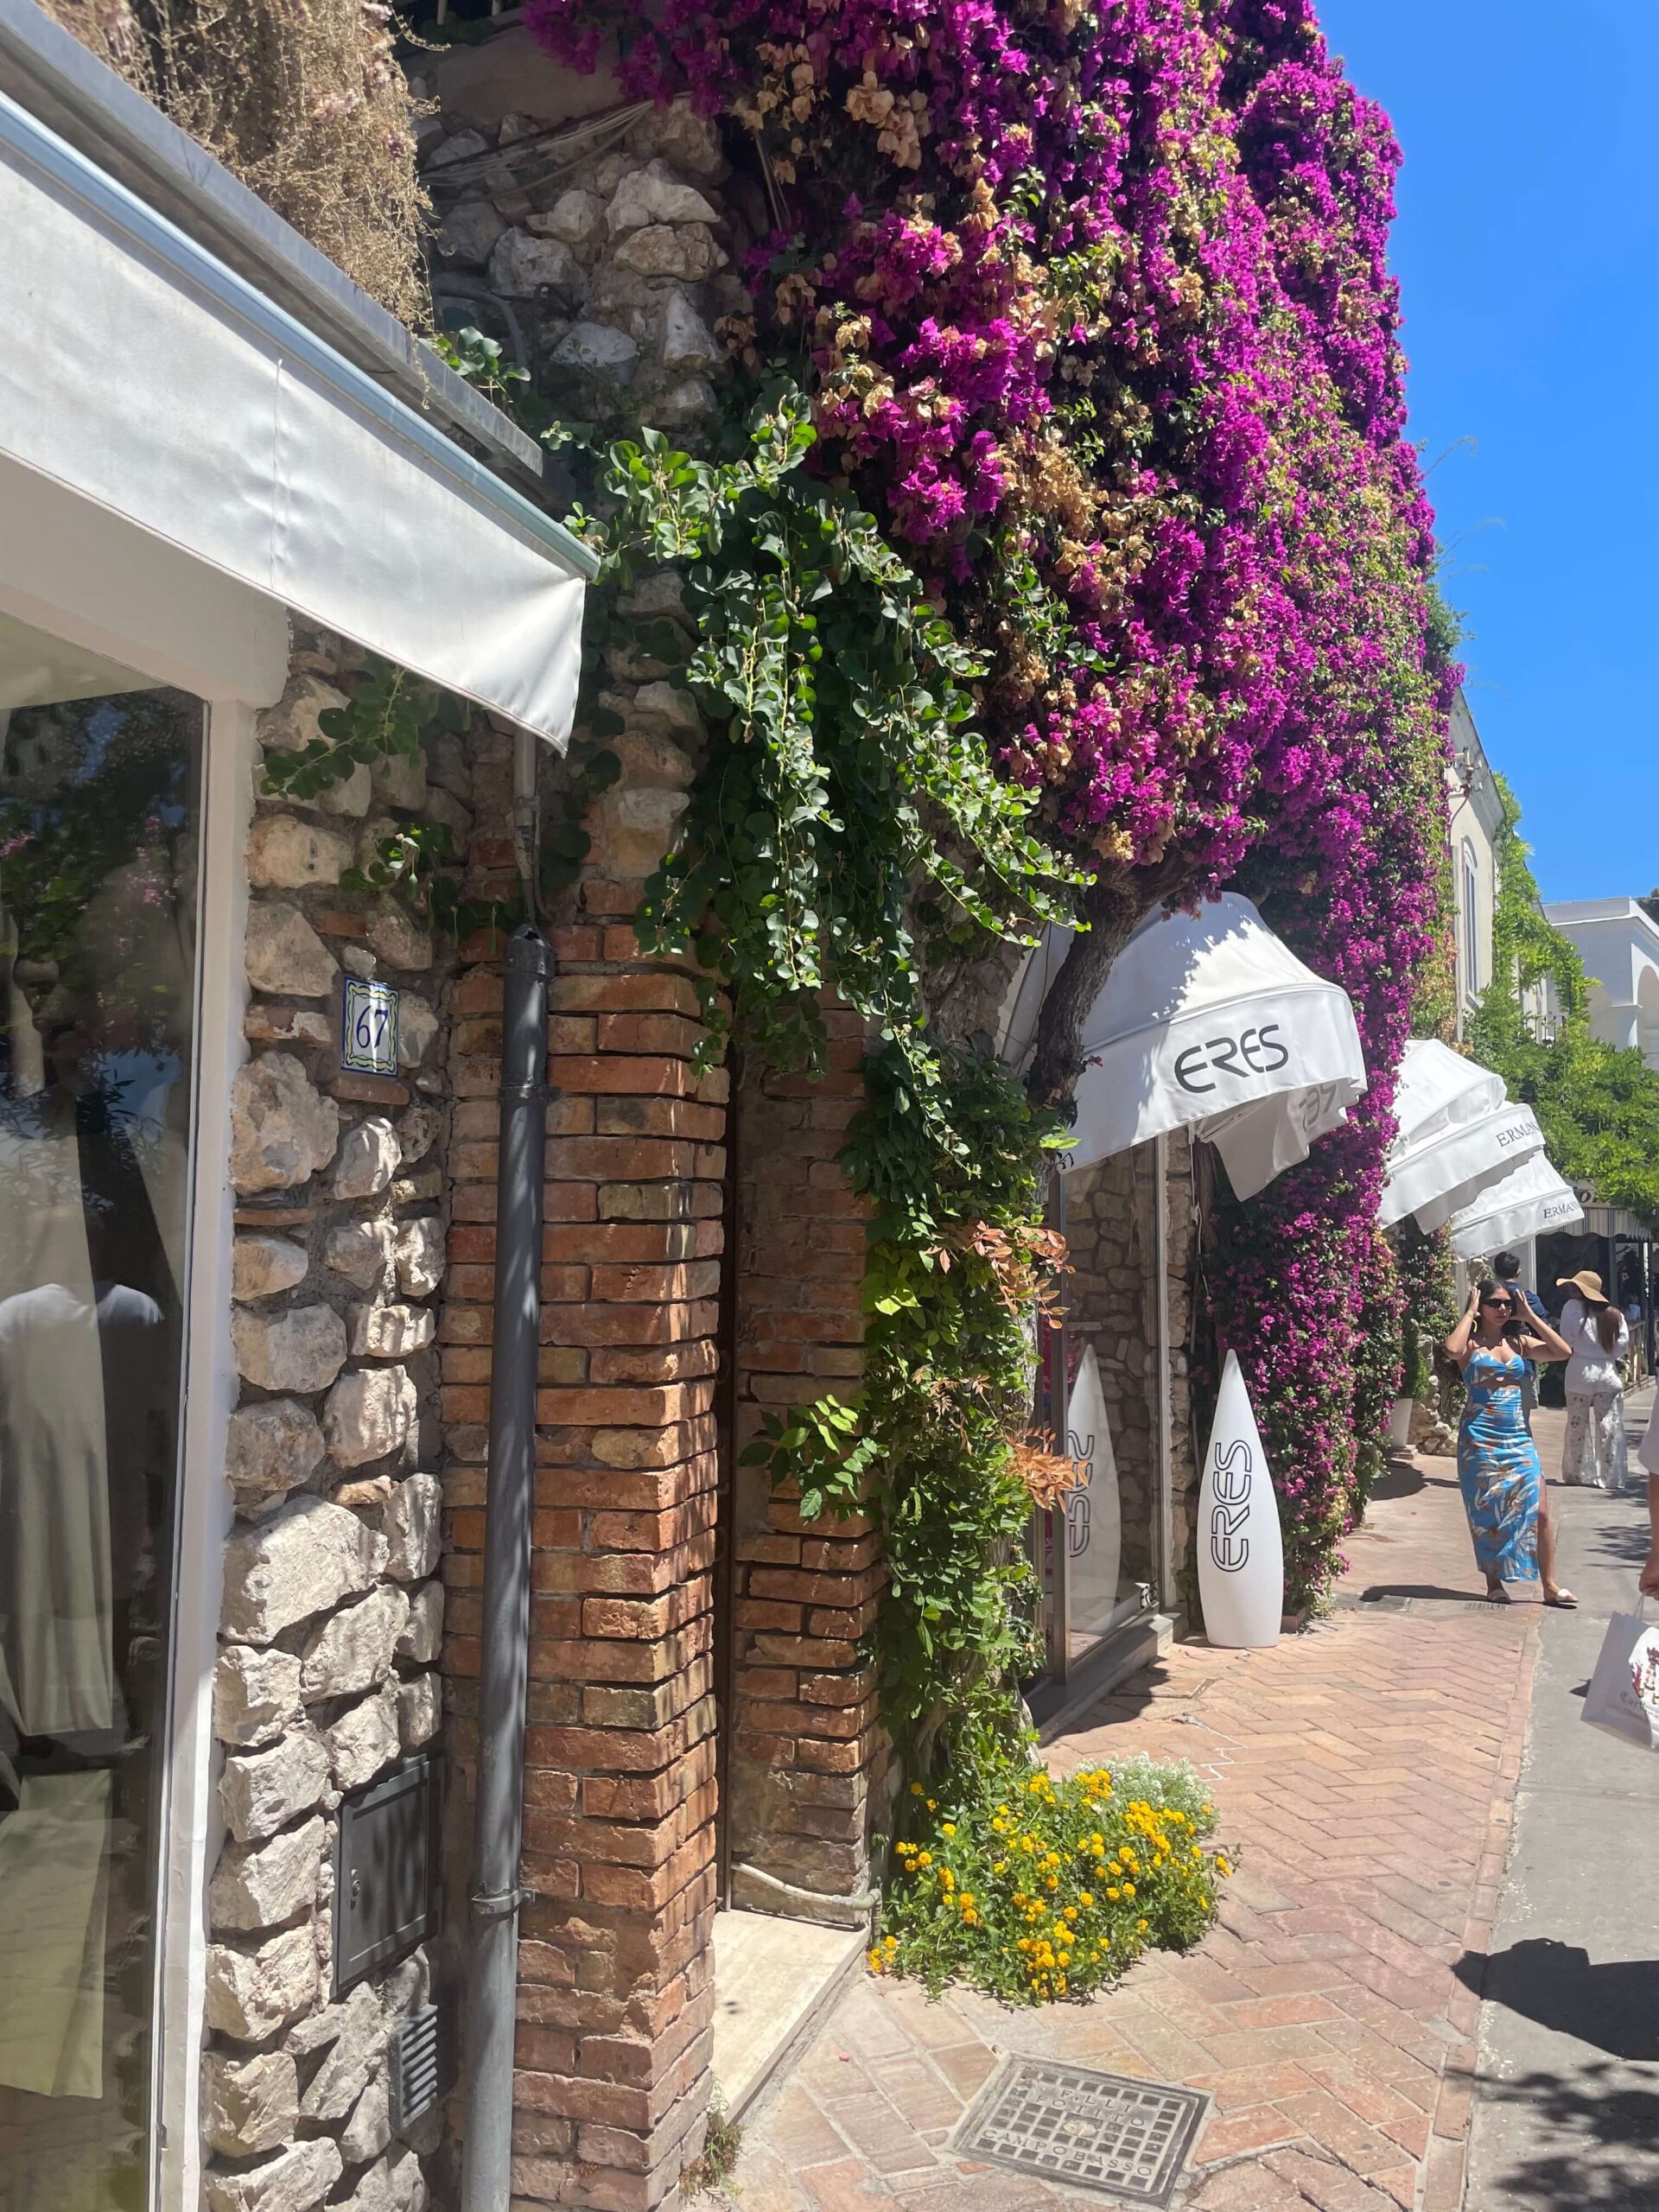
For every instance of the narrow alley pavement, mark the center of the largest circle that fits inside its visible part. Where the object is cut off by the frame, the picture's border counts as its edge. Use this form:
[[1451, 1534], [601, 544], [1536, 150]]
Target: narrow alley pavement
[[1567, 2104], [1371, 1772]]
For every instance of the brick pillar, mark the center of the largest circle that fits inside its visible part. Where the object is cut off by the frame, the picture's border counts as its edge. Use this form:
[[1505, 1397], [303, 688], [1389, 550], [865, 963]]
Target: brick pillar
[[808, 1751], [616, 1995]]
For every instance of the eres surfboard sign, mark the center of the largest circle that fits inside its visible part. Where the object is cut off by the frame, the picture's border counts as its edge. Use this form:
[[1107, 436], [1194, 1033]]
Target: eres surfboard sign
[[1241, 1551]]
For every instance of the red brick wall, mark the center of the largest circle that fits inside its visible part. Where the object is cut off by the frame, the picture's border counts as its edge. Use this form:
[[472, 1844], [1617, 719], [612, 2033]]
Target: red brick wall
[[808, 1750], [615, 1996]]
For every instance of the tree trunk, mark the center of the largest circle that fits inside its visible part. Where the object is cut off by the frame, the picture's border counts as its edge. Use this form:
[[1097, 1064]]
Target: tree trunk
[[1113, 908]]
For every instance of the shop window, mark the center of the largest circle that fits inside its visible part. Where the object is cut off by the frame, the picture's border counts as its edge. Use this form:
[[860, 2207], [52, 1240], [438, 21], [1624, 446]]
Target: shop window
[[99, 821]]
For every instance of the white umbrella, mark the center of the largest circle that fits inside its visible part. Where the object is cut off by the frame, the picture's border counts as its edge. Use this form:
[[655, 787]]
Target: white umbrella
[[1458, 1133], [1531, 1202], [1205, 1019]]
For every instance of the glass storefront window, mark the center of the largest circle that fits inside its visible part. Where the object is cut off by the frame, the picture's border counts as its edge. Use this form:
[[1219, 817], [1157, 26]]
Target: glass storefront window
[[1097, 1559], [100, 825], [1109, 1566]]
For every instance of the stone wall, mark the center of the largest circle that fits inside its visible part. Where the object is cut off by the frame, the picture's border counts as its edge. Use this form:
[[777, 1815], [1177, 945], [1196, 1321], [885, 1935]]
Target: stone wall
[[332, 1616], [1187, 1164], [605, 262]]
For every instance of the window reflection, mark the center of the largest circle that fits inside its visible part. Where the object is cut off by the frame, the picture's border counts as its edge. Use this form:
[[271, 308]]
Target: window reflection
[[99, 827], [1101, 1594]]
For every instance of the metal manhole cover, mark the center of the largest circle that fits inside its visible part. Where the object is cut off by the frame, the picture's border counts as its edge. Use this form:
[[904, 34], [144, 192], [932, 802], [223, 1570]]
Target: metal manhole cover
[[1128, 2140]]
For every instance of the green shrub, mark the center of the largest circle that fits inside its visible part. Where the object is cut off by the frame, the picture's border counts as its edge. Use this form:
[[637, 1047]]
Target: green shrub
[[1036, 1889]]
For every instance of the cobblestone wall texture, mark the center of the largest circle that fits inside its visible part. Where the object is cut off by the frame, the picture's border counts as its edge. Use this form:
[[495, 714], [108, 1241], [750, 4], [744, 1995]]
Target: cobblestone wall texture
[[607, 258], [332, 1612]]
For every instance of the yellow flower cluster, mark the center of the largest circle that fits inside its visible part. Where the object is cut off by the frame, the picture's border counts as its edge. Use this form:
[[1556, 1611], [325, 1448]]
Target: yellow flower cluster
[[920, 1863], [1046, 1888]]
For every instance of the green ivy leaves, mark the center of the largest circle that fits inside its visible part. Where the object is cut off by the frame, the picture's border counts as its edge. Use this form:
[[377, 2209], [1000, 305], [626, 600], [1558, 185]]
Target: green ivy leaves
[[846, 772], [847, 818], [388, 713]]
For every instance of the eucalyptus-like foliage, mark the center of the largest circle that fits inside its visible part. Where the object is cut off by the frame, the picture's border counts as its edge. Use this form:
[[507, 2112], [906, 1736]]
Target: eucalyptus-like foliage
[[846, 805], [385, 716], [846, 774]]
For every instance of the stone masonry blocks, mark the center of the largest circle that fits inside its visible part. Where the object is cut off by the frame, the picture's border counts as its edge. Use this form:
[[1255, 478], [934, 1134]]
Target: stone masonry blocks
[[331, 1613]]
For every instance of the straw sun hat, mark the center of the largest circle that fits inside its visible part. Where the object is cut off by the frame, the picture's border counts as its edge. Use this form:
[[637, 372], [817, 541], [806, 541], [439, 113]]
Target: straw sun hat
[[1586, 1283]]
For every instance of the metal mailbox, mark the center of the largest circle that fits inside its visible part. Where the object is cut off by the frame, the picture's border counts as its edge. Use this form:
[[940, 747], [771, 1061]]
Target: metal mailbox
[[385, 1867]]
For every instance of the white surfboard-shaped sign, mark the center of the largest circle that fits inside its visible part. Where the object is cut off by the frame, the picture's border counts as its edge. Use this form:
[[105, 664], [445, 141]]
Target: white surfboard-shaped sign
[[1093, 1517], [1241, 1552]]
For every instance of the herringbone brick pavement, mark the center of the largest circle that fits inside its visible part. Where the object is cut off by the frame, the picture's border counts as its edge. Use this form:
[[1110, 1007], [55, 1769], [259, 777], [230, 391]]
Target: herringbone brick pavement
[[1364, 1771]]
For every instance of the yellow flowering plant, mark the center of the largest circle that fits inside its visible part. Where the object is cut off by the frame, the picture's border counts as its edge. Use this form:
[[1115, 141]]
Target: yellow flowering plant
[[1040, 1887]]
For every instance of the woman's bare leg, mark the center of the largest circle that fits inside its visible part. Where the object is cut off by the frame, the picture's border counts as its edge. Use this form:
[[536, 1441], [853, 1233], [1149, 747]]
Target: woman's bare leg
[[1552, 1589]]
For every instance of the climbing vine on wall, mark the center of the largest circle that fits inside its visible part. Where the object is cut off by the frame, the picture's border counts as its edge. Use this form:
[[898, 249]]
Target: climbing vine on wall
[[388, 715], [848, 755], [847, 803], [1092, 312]]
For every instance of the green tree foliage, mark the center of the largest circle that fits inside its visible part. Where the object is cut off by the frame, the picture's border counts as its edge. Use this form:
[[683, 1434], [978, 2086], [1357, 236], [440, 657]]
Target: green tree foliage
[[1598, 1105]]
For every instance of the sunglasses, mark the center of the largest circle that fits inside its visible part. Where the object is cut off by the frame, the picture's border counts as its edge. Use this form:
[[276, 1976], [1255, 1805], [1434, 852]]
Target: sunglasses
[[1504, 1305]]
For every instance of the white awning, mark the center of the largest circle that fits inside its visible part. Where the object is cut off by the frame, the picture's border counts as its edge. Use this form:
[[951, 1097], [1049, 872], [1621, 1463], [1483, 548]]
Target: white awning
[[143, 378], [1458, 1133], [1531, 1202], [1205, 1020]]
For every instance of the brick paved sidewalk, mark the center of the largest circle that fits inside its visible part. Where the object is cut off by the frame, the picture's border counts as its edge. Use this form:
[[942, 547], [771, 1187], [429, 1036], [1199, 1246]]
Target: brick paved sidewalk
[[1365, 1770]]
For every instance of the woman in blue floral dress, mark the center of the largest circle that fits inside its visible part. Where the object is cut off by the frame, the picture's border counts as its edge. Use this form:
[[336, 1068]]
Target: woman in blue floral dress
[[1498, 1471]]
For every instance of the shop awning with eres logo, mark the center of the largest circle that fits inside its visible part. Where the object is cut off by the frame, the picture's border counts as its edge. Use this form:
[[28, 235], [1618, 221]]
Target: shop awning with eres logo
[[1459, 1132], [1207, 1021], [1532, 1201], [184, 461]]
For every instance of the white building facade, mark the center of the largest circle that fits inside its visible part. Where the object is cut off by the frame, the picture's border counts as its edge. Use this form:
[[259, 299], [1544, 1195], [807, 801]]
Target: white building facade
[[1476, 820], [1618, 941]]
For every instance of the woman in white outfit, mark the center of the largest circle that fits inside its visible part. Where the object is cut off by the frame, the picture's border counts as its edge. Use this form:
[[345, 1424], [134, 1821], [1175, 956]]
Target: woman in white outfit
[[1600, 1338]]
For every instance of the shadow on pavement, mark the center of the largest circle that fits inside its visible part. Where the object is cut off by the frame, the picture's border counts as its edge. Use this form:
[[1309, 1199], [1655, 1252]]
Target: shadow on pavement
[[1376, 1589], [1614, 2008], [1403, 1478], [1599, 2127], [1626, 1545]]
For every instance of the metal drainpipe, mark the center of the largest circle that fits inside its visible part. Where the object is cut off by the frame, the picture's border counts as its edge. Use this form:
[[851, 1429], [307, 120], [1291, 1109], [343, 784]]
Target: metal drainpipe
[[504, 1654]]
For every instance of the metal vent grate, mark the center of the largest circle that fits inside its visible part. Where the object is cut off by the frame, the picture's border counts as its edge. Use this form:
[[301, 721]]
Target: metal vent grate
[[1128, 2140], [420, 2066]]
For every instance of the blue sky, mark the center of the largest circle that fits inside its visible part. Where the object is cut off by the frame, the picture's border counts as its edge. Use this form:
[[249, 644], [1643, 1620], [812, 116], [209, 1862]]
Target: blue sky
[[1527, 250]]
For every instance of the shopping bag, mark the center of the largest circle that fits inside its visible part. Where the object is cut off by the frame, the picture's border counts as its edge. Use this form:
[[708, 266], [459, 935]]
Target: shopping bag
[[1624, 1698]]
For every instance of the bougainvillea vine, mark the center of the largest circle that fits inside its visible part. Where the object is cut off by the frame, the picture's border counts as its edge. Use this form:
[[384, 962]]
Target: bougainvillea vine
[[1092, 306]]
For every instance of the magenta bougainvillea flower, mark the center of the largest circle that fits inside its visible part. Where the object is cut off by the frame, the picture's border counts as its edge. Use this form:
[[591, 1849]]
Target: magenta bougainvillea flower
[[1093, 305]]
